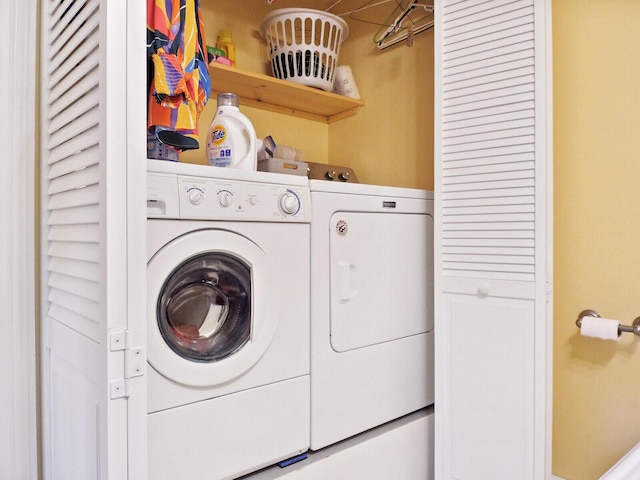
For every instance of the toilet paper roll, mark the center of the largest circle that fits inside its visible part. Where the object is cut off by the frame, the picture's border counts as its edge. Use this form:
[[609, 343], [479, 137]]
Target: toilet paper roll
[[603, 328]]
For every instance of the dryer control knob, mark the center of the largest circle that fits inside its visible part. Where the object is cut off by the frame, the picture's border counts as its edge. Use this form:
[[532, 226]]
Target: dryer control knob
[[225, 198], [289, 203]]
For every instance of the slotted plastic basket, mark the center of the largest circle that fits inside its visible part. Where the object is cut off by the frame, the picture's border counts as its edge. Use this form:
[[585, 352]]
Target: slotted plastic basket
[[304, 45]]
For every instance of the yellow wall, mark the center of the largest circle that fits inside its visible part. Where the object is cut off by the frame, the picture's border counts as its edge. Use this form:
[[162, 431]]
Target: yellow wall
[[389, 142], [596, 47]]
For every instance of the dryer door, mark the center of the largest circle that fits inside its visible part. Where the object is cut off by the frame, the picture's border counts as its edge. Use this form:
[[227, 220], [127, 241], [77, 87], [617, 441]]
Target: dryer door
[[209, 318], [381, 277]]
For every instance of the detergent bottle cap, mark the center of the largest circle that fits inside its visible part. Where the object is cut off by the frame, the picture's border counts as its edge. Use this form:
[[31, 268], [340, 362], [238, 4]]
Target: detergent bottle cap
[[228, 99], [224, 33]]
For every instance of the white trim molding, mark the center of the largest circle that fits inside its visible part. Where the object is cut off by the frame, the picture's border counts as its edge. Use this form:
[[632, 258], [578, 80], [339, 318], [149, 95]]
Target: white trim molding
[[18, 391]]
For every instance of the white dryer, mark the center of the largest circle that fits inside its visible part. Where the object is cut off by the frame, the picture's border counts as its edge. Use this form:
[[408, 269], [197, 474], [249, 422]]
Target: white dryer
[[228, 320], [371, 307]]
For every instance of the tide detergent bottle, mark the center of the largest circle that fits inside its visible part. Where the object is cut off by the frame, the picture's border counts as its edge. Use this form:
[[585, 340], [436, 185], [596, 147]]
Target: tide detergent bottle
[[231, 141]]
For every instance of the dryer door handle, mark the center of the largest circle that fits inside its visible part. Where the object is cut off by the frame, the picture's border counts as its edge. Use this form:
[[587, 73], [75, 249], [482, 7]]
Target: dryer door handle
[[345, 280]]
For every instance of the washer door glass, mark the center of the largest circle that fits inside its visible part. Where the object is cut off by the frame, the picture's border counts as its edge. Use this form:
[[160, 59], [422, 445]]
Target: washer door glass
[[204, 308], [213, 306]]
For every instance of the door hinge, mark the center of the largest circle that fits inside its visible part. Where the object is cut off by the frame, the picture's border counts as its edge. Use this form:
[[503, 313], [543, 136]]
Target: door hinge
[[134, 362]]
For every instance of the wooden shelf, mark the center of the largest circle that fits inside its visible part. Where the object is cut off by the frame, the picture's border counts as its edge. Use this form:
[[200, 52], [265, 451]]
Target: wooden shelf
[[273, 94]]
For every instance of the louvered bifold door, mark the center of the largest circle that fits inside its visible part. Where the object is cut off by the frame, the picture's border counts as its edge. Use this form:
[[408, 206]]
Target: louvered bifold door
[[492, 249], [75, 240]]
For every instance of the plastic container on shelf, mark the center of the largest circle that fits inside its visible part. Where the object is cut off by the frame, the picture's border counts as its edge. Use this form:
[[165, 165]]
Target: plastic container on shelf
[[225, 43], [231, 140], [277, 165], [304, 45]]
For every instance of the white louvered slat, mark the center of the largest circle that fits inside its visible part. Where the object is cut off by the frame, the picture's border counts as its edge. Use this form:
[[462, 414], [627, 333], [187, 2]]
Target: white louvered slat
[[495, 78], [496, 160], [82, 159], [75, 128], [469, 236], [76, 31], [482, 50], [74, 285], [491, 155], [514, 263], [493, 209], [487, 177], [480, 241], [457, 203], [81, 324], [485, 14], [74, 216], [487, 188], [488, 57], [83, 59], [488, 115], [489, 128], [71, 181], [506, 217], [467, 170], [75, 233], [511, 140], [65, 29], [503, 192], [77, 87], [487, 91], [486, 226], [89, 252], [88, 195], [75, 110], [494, 64], [489, 103], [463, 8], [73, 268], [88, 139], [56, 12], [512, 23], [75, 303], [489, 140]]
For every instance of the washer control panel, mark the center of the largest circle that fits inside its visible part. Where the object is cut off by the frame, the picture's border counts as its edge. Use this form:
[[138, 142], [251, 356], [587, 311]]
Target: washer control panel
[[220, 199]]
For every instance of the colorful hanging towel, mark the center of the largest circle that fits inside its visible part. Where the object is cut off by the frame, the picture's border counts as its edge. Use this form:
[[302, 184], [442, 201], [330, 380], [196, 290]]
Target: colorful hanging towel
[[170, 86], [178, 78]]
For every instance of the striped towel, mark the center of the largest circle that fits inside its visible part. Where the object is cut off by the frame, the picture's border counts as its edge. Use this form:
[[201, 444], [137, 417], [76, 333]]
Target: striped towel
[[179, 84]]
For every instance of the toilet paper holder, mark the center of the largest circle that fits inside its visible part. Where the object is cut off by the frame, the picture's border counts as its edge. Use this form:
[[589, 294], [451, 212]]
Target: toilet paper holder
[[633, 328]]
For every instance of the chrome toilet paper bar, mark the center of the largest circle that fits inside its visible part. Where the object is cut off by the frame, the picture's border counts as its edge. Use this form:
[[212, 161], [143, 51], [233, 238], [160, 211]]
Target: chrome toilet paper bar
[[633, 328]]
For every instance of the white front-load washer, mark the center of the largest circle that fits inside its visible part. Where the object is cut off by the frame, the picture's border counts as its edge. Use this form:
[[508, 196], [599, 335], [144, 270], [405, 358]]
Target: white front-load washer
[[228, 320], [371, 307]]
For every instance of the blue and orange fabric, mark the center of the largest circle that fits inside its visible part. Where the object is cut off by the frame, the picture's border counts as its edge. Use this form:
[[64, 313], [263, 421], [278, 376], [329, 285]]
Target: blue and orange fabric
[[179, 84]]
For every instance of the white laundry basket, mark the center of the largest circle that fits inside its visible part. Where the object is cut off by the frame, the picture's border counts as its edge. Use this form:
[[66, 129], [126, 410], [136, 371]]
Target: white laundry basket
[[304, 45]]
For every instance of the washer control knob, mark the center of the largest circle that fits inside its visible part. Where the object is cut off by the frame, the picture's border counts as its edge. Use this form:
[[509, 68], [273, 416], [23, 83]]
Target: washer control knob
[[331, 174], [344, 176], [196, 196], [289, 203], [225, 198]]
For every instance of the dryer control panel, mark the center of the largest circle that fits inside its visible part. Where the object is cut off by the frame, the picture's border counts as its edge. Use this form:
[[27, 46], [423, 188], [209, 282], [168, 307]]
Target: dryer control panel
[[200, 198]]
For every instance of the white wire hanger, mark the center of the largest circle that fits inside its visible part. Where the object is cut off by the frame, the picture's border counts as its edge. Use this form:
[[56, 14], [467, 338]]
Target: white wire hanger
[[408, 18]]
